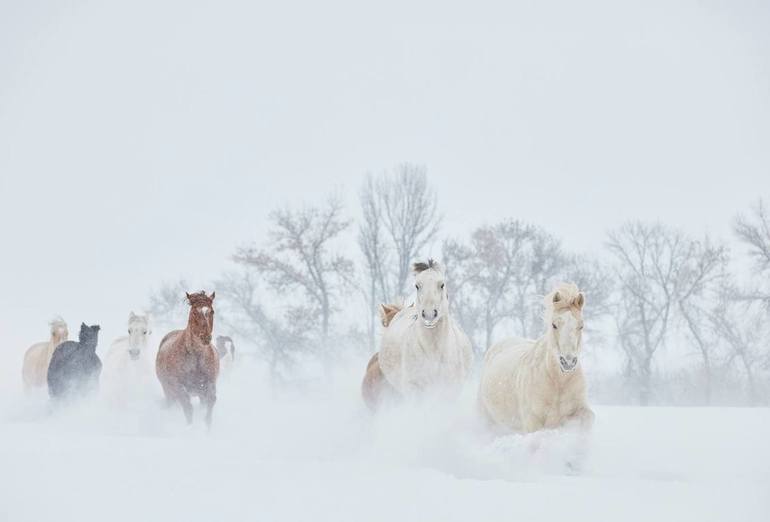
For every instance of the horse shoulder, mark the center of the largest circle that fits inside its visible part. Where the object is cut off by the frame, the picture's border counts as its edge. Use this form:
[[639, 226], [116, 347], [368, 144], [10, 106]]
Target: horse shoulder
[[168, 340]]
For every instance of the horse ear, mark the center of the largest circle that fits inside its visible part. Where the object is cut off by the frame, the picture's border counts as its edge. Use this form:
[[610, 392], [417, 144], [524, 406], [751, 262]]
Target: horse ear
[[213, 294], [83, 325], [131, 316], [579, 300], [556, 297], [187, 294]]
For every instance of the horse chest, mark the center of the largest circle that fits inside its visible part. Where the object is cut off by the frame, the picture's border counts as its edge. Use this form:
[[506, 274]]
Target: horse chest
[[553, 407]]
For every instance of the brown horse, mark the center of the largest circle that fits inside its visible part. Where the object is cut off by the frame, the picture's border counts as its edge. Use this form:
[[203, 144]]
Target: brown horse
[[187, 363], [375, 388]]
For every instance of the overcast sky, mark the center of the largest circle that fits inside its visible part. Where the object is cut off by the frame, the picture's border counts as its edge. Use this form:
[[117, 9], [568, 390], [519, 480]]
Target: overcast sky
[[140, 142]]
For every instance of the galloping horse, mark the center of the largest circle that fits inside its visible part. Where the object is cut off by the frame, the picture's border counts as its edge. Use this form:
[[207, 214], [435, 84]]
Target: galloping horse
[[531, 385], [127, 372], [187, 363], [423, 348], [34, 371], [225, 352], [75, 367]]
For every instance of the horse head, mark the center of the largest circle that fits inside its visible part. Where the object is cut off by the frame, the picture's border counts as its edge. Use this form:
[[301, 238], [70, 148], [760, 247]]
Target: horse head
[[59, 330], [564, 321], [225, 345], [431, 301], [89, 335], [201, 319], [138, 334]]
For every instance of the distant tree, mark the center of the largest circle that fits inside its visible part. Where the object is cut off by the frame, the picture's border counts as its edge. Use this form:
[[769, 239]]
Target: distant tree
[[400, 218], [279, 340], [660, 271], [502, 273], [168, 305], [702, 279], [484, 275], [744, 327], [754, 232], [300, 256]]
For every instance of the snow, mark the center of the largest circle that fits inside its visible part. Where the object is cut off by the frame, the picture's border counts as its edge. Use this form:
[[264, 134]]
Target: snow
[[316, 453]]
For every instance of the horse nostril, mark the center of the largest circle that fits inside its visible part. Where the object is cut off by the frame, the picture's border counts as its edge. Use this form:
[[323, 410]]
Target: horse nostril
[[435, 313]]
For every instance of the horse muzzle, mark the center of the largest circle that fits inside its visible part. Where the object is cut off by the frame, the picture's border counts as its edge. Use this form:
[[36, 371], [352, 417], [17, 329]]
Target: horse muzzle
[[568, 363], [134, 354]]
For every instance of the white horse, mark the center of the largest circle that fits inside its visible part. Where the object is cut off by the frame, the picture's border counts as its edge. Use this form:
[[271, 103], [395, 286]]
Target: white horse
[[34, 370], [423, 348], [226, 352], [128, 371], [529, 385]]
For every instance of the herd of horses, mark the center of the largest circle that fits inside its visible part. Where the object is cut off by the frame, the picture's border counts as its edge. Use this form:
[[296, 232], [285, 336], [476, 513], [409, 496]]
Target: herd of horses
[[525, 385]]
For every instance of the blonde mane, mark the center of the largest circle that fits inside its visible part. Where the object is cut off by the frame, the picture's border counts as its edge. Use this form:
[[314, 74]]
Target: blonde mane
[[569, 297], [57, 322]]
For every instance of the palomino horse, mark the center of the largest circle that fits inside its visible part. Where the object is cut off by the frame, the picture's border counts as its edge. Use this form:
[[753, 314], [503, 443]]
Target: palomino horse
[[127, 372], [225, 352], [423, 348], [75, 367], [187, 363], [34, 371], [375, 388], [530, 385]]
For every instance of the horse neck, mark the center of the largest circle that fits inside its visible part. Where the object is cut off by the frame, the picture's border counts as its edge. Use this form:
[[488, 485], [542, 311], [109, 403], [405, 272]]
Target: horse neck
[[193, 338]]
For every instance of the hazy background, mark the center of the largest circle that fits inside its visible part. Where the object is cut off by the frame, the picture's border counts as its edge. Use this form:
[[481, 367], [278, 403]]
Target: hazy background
[[142, 142]]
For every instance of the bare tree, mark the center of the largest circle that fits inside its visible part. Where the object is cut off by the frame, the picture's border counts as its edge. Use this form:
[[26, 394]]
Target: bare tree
[[702, 277], [372, 242], [744, 327], [754, 232], [168, 306], [482, 276], [400, 218], [503, 273], [300, 257], [279, 340], [660, 272]]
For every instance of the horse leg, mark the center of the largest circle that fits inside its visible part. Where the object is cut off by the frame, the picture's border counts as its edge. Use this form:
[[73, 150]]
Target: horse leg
[[184, 400], [209, 399], [176, 393]]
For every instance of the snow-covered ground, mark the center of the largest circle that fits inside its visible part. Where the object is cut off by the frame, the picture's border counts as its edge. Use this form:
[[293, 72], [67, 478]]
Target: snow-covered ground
[[318, 455]]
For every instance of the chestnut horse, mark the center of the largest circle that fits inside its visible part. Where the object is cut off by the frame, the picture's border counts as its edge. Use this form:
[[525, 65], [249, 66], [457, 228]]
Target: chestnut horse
[[375, 388], [187, 364]]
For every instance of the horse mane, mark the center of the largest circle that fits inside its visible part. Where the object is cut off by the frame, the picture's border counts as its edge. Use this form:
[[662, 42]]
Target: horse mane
[[57, 322], [568, 296], [198, 298], [422, 267]]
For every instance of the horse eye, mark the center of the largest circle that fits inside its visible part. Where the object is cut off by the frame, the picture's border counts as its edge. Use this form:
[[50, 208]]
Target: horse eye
[[442, 286], [554, 325], [417, 287]]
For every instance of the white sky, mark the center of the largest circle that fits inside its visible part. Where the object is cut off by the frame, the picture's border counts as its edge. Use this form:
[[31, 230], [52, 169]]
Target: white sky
[[141, 142]]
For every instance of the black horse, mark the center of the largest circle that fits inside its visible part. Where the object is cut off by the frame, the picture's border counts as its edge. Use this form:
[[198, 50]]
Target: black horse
[[75, 367]]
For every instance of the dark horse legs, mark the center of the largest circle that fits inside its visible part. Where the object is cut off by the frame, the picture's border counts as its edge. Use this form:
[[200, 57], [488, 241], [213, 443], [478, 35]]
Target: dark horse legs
[[209, 398], [177, 393]]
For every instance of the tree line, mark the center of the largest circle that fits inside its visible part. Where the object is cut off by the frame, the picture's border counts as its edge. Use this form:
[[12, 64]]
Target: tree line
[[305, 293]]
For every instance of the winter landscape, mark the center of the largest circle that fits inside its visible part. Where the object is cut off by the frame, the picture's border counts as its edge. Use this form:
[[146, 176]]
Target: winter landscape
[[424, 262]]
